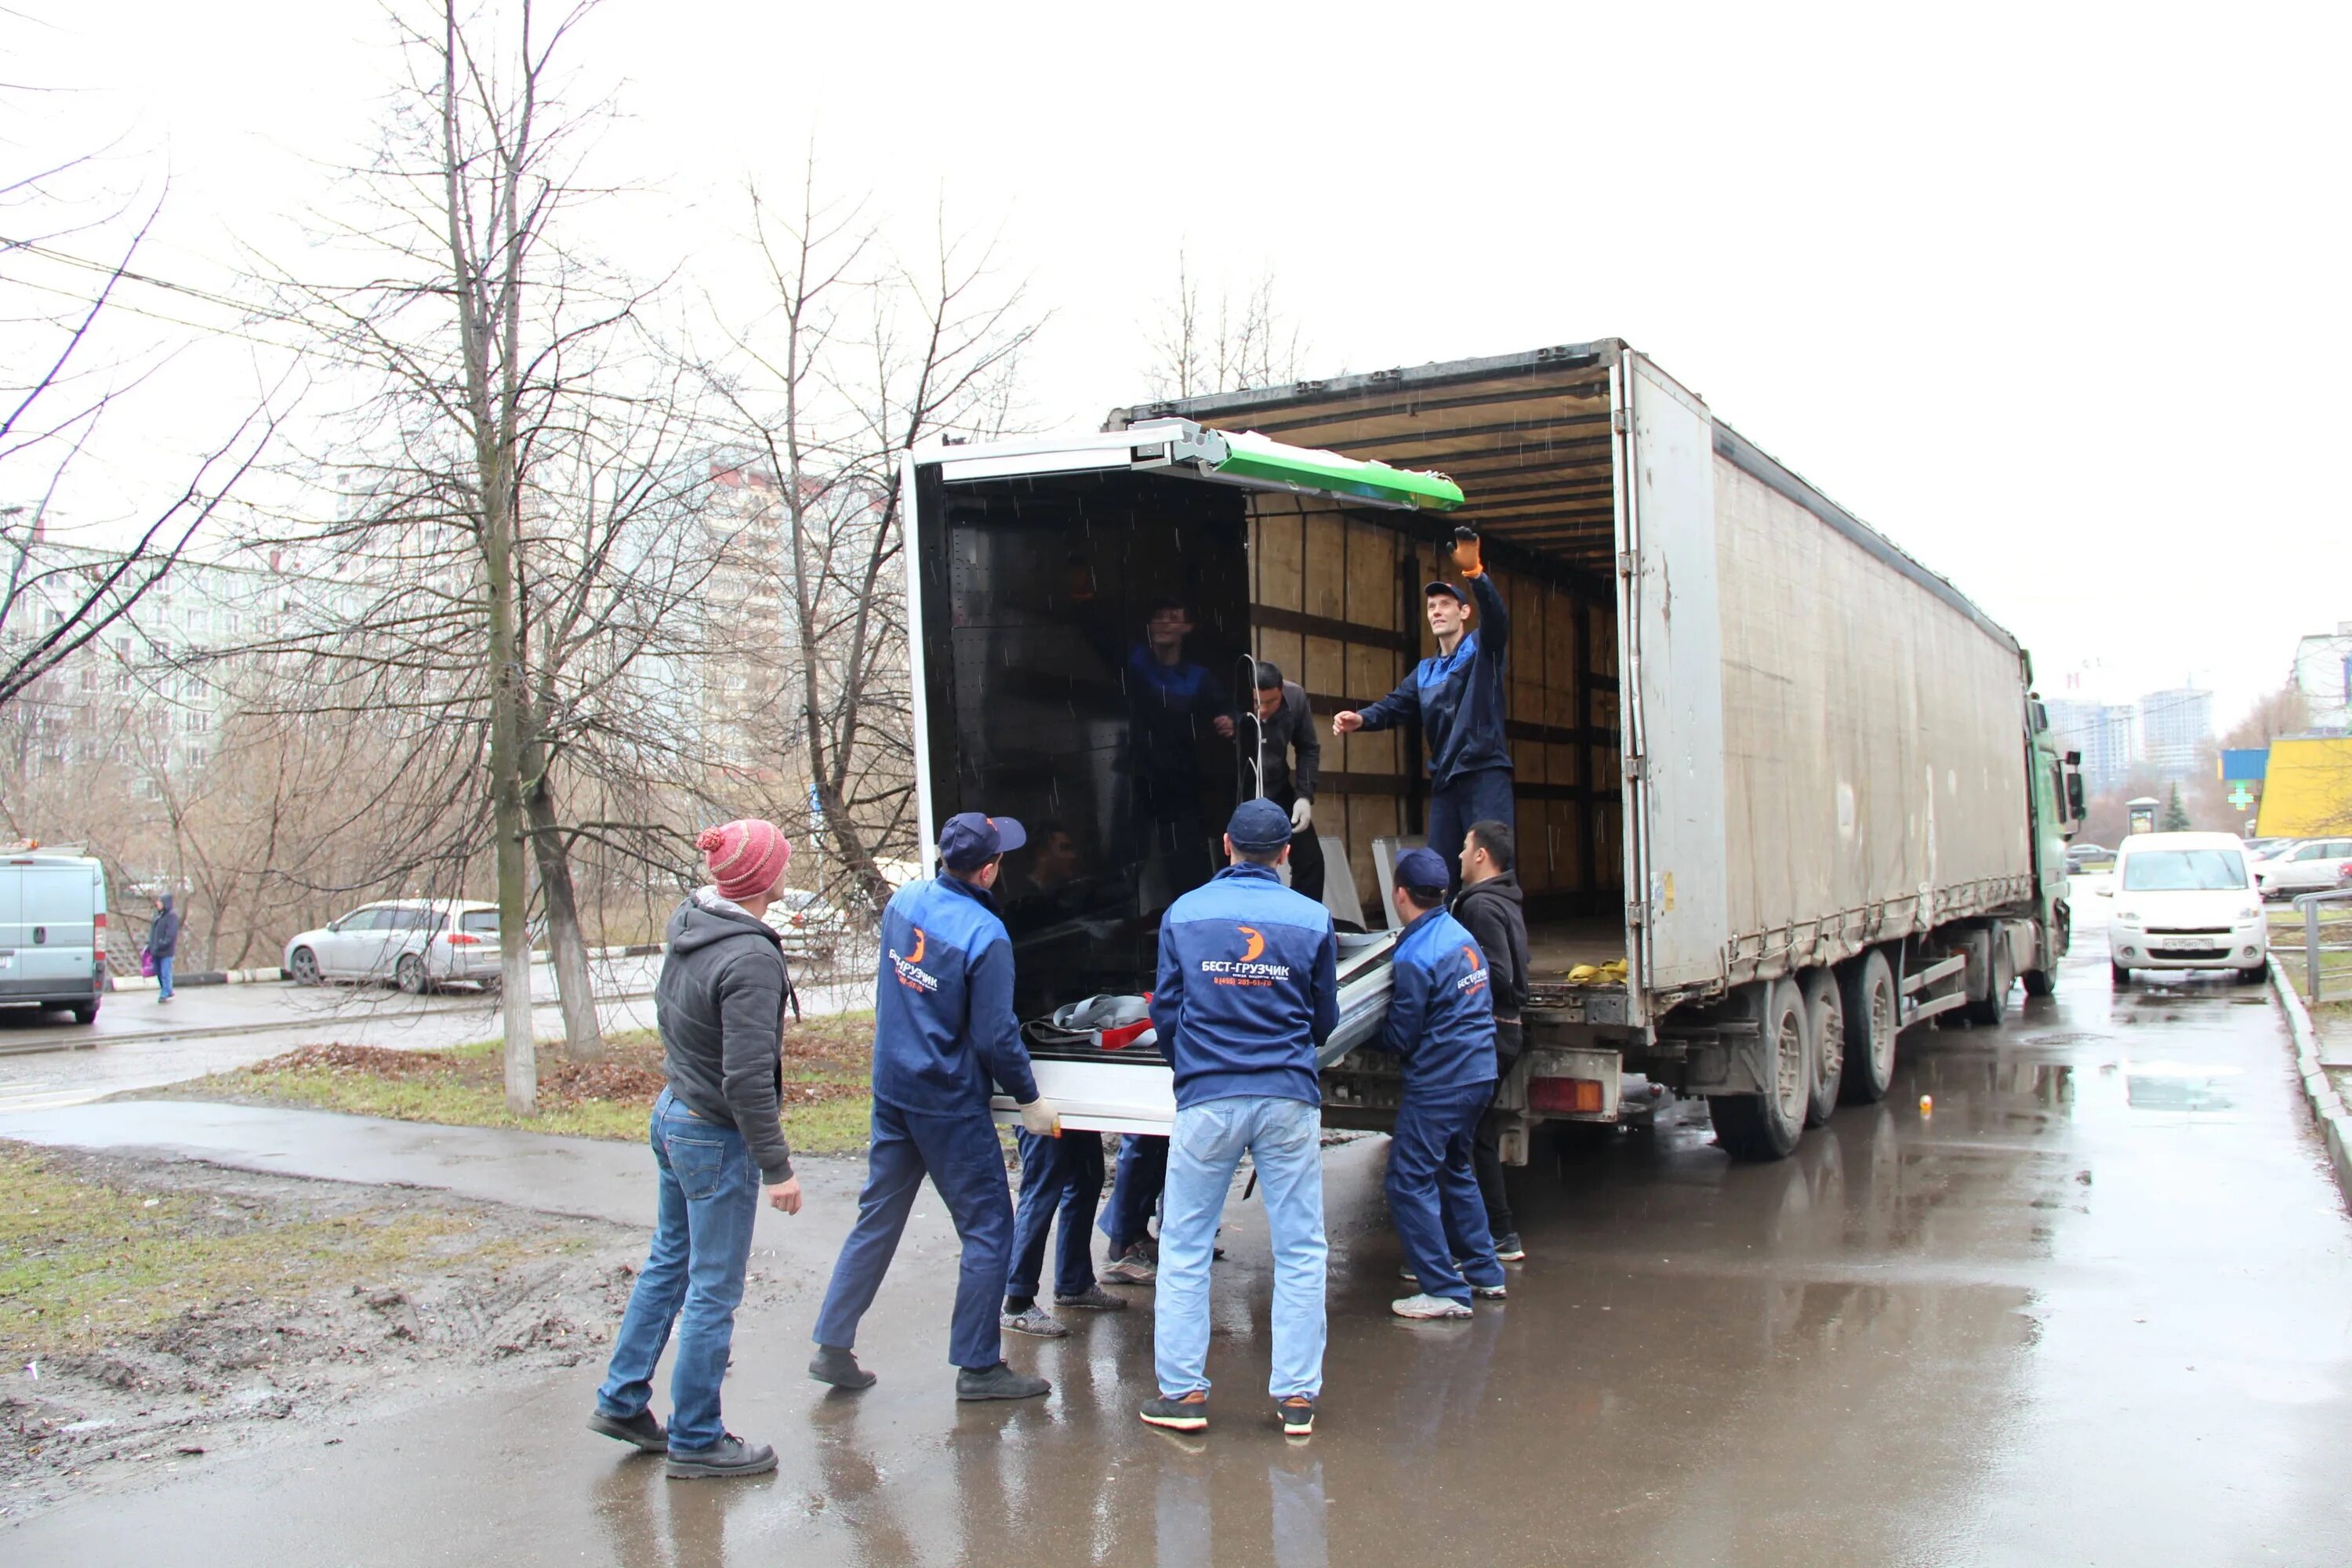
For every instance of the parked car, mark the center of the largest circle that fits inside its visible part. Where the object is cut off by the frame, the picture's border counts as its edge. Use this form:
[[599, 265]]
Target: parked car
[[2313, 865], [52, 932], [2186, 900], [810, 927], [2082, 856], [2264, 848], [416, 943]]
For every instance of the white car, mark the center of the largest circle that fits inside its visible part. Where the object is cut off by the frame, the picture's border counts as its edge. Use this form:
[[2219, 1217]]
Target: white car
[[2314, 866], [809, 927], [2186, 900], [415, 943]]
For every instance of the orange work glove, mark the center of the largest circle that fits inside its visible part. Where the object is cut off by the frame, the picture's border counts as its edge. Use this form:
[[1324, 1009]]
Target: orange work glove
[[1465, 553]]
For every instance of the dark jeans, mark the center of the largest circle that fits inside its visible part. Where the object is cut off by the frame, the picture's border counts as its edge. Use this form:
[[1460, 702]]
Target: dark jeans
[[1487, 1160], [966, 1165], [1432, 1196], [693, 1275], [1058, 1175], [1305, 851], [1482, 796], [1135, 1193]]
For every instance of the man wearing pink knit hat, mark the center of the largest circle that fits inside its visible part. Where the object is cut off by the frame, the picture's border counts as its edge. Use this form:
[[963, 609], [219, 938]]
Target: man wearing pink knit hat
[[718, 1141]]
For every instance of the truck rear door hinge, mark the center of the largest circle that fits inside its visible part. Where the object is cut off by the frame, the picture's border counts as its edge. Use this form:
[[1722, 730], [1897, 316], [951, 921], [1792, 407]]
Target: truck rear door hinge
[[1619, 420], [1636, 767], [1638, 912], [1627, 563]]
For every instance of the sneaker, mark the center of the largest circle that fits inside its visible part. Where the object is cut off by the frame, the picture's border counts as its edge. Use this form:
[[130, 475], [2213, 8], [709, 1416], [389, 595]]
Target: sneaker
[[999, 1382], [641, 1429], [730, 1455], [1430, 1307], [1035, 1321], [1508, 1249], [1297, 1415], [1189, 1414], [1490, 1293], [1131, 1268], [839, 1367], [1094, 1299]]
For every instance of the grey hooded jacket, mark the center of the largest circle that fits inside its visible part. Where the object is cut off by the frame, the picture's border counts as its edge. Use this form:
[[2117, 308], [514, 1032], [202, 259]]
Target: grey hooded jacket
[[719, 1004]]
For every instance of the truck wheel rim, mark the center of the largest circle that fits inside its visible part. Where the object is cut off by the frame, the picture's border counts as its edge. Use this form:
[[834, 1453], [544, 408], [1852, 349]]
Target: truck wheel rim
[[1882, 1032], [1833, 1047], [1791, 1067]]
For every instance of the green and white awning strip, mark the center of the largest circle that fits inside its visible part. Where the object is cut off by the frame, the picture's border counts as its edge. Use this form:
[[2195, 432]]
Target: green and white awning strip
[[1250, 455]]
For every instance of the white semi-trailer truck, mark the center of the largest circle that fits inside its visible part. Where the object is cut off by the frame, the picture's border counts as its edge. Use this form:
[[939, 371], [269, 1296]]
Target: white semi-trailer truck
[[1782, 791]]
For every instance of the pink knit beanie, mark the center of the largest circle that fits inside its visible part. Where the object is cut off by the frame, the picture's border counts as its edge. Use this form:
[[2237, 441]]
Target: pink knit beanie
[[746, 858]]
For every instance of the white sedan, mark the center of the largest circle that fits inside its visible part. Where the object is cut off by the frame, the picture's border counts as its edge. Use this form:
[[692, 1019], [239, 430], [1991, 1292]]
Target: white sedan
[[415, 943], [2314, 866]]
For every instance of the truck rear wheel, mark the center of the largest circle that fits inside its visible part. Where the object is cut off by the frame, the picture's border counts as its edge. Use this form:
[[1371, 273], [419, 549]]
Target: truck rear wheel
[[1872, 1013], [1767, 1126], [1994, 1006], [1827, 1010]]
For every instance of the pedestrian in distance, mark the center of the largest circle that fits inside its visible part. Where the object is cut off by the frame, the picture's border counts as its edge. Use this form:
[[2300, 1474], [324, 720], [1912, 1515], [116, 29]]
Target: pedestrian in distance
[[1458, 696], [1284, 723], [1491, 908], [1442, 1022], [718, 1142], [943, 1029], [1248, 992], [163, 945]]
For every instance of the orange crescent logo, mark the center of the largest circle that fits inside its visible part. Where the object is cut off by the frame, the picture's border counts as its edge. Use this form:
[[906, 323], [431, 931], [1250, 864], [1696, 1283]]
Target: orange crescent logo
[[1471, 953], [1256, 943], [920, 941]]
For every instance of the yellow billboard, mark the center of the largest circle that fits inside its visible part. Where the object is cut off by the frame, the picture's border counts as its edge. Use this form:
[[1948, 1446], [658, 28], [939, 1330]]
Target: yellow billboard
[[2307, 788]]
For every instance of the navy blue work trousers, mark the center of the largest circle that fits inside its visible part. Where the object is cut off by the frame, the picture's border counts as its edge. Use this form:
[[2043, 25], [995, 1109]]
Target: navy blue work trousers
[[1058, 1175], [1434, 1194], [1135, 1193], [1482, 797]]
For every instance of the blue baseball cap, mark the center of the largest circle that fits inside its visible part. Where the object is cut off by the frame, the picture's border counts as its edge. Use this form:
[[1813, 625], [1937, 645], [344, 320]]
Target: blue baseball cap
[[1442, 586], [971, 839], [1420, 869], [1258, 824]]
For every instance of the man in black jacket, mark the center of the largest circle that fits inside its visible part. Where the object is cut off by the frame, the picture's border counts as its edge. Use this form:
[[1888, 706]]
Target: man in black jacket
[[716, 1141], [1489, 907], [1283, 723]]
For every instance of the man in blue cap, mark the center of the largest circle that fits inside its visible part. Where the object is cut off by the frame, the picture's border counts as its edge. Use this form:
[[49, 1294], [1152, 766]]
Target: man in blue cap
[[1458, 696], [1442, 1021], [1248, 992], [943, 1028]]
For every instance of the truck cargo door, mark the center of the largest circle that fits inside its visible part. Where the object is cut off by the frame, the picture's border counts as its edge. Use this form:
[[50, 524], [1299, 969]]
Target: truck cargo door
[[1671, 651]]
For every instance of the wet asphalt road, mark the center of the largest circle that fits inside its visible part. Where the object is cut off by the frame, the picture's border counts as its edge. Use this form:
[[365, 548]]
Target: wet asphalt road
[[2096, 1308]]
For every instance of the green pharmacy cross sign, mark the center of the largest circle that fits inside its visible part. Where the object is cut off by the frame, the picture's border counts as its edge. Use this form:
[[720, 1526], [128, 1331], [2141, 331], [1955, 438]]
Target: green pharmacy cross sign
[[2241, 797]]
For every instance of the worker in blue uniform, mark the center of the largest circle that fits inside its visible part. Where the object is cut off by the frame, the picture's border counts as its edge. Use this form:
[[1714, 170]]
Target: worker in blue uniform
[[1442, 1022], [943, 1029], [1458, 696]]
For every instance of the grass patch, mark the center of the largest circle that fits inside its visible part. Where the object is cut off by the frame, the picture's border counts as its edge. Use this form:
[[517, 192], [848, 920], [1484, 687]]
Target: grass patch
[[82, 1260], [826, 1107]]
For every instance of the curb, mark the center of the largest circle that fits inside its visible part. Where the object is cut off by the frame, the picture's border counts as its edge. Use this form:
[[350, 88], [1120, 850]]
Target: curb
[[2327, 1108]]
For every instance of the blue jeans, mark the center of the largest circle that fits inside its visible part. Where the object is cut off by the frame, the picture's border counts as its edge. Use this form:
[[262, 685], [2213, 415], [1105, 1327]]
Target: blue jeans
[[1433, 1192], [693, 1276], [966, 1163], [1062, 1175], [1135, 1193], [1482, 796], [163, 977], [1284, 1139]]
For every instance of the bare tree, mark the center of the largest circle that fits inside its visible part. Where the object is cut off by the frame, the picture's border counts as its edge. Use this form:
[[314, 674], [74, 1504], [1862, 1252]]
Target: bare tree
[[1233, 341]]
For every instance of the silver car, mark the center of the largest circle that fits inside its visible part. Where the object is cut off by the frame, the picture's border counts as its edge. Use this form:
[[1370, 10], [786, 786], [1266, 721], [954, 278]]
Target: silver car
[[416, 943]]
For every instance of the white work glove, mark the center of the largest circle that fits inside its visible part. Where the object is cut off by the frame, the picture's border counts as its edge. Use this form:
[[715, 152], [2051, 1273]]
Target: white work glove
[[1302, 812], [1038, 1120]]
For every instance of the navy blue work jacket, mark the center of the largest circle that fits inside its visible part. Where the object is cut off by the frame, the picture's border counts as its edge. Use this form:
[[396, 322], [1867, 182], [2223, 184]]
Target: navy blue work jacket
[[1248, 988], [1459, 695], [943, 1024], [1440, 1014]]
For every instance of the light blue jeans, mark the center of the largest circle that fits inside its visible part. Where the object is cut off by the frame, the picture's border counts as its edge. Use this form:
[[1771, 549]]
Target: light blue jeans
[[1285, 1139]]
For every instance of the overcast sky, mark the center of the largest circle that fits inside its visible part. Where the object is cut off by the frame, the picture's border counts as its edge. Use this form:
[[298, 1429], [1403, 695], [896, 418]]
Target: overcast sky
[[2052, 295]]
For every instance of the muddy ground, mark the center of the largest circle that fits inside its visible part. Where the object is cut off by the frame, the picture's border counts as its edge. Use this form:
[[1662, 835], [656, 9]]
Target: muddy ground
[[451, 1298]]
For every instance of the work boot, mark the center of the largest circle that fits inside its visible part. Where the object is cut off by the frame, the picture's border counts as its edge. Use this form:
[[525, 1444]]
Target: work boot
[[730, 1455], [1508, 1249], [1035, 1321], [641, 1429], [838, 1366], [1131, 1268], [1094, 1299], [1430, 1307], [999, 1382], [1189, 1414], [1297, 1415]]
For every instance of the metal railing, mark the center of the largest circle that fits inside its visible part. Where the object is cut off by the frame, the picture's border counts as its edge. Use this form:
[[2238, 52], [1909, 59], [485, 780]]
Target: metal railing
[[2326, 946]]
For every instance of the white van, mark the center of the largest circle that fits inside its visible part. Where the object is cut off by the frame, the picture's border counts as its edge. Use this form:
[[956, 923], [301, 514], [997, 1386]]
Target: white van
[[2186, 900], [52, 932]]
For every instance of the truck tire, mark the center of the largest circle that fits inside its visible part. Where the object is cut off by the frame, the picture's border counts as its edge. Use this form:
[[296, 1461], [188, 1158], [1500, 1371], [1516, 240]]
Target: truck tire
[[1767, 1126], [1993, 1007], [1826, 1004], [2042, 982], [1873, 1014]]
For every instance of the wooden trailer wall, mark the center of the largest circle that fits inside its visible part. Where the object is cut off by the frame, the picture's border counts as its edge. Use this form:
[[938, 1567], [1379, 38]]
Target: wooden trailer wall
[[1335, 602]]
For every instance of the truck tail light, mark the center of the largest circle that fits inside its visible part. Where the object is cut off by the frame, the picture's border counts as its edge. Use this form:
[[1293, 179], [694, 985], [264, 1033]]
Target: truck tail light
[[464, 938], [101, 919], [1563, 1094]]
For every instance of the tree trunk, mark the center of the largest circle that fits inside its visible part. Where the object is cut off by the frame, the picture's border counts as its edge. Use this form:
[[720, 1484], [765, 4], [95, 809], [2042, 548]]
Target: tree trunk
[[582, 1040]]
